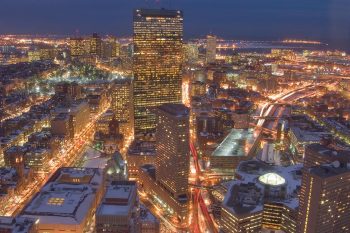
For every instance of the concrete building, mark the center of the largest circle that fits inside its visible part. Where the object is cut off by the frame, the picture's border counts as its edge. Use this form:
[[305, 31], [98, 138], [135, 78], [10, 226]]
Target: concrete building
[[325, 199], [118, 211], [68, 200], [172, 137], [123, 105], [76, 46], [140, 153], [211, 49], [239, 145], [168, 178], [17, 225], [318, 154], [262, 198], [78, 117], [95, 45]]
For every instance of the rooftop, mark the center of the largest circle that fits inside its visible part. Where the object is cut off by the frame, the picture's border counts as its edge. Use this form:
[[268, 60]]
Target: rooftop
[[157, 13], [259, 181], [237, 143], [119, 199], [272, 179], [15, 225], [67, 197], [329, 170], [177, 110], [64, 203]]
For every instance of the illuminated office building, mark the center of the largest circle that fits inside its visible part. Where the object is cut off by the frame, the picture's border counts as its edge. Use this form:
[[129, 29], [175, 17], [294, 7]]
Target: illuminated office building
[[191, 53], [211, 49], [172, 136], [317, 154], [77, 47], [110, 48], [263, 198], [324, 201], [158, 39], [122, 104], [95, 45], [167, 179]]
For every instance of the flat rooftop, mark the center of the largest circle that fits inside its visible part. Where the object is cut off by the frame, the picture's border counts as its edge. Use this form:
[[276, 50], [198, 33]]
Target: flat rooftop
[[304, 135], [67, 197], [330, 170], [237, 143], [177, 110], [328, 151], [246, 194], [15, 225], [157, 13], [119, 199], [61, 203]]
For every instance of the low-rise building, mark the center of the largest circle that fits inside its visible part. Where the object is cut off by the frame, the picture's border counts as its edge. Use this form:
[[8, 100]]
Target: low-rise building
[[140, 153], [119, 210], [17, 225], [68, 201]]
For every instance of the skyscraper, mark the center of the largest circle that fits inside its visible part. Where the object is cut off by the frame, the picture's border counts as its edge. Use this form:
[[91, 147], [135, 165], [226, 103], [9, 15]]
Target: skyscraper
[[158, 39], [325, 190], [95, 45], [167, 179], [122, 104], [172, 159], [211, 49], [324, 201]]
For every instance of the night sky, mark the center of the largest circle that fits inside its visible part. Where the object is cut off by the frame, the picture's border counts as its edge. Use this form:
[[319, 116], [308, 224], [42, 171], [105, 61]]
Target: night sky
[[324, 20]]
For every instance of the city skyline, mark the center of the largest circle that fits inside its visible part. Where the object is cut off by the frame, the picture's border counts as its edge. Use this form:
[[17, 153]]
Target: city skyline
[[153, 133], [325, 21]]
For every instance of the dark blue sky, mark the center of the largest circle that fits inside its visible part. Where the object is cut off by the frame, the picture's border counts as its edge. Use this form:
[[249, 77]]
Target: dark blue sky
[[325, 20]]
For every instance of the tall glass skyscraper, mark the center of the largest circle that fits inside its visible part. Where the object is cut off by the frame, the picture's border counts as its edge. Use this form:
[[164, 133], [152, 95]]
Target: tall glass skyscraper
[[158, 39]]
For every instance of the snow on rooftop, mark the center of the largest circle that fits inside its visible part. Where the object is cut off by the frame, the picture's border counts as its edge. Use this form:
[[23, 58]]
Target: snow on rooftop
[[237, 143], [254, 173], [61, 203]]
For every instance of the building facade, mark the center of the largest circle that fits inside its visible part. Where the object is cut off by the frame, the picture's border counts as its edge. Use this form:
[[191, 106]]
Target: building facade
[[158, 41], [324, 201], [211, 49], [172, 149]]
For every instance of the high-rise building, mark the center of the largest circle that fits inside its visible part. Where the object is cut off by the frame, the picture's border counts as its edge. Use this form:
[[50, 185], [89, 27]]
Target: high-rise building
[[324, 200], [158, 40], [76, 46], [318, 154], [122, 104], [110, 48], [211, 49], [167, 179], [172, 149], [191, 53], [95, 45], [262, 198]]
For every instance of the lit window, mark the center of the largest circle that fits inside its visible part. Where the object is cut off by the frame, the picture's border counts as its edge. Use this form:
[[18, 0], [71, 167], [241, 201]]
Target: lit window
[[55, 201]]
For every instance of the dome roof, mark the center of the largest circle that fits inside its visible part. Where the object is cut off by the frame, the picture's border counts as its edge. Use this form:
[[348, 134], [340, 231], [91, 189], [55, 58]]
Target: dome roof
[[272, 179]]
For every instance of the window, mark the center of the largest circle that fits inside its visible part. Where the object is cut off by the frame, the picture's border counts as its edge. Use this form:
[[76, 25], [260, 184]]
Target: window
[[55, 201]]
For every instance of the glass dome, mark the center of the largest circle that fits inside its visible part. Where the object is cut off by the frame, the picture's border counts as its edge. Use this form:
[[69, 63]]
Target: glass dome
[[272, 179]]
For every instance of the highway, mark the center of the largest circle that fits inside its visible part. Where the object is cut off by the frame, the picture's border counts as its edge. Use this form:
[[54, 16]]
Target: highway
[[199, 208]]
